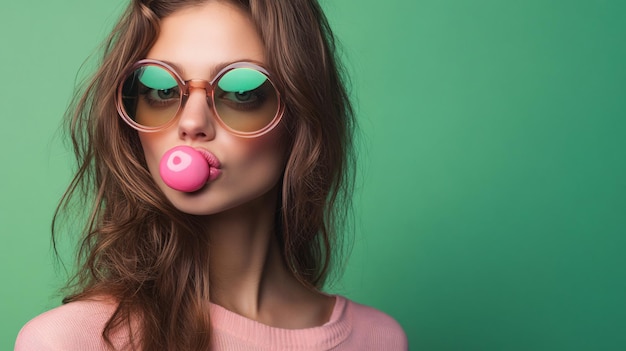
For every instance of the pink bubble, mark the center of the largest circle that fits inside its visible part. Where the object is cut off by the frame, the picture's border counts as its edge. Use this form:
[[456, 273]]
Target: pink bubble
[[184, 168]]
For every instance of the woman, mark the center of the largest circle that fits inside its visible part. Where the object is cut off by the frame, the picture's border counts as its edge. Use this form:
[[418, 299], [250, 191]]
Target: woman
[[214, 139]]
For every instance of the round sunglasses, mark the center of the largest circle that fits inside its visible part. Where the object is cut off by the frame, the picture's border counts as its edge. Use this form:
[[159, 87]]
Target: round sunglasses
[[242, 96]]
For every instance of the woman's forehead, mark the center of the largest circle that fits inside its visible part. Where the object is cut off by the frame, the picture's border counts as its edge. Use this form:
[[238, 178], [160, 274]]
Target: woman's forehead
[[200, 40]]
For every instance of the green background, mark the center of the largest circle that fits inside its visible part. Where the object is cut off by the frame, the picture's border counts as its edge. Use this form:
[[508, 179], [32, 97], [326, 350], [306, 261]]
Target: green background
[[490, 207]]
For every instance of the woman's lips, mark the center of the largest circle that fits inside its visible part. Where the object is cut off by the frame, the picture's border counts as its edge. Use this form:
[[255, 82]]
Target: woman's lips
[[214, 164]]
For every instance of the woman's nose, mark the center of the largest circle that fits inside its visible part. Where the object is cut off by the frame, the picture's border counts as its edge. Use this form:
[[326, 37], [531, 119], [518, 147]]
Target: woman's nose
[[196, 121]]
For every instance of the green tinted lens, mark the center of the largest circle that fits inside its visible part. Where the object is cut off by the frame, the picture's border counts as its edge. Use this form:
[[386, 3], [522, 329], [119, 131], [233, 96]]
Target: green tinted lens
[[156, 78], [246, 100], [151, 96]]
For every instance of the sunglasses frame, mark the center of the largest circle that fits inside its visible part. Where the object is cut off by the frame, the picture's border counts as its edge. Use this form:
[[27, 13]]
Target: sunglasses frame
[[186, 86]]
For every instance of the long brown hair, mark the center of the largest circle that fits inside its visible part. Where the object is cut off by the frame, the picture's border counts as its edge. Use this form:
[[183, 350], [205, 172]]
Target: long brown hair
[[144, 253]]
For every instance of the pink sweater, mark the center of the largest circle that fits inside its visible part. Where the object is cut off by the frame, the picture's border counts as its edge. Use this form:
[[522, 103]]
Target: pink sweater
[[77, 326]]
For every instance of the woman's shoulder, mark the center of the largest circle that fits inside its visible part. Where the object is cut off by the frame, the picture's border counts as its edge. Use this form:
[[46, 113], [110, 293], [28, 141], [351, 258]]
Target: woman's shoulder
[[374, 327], [76, 325]]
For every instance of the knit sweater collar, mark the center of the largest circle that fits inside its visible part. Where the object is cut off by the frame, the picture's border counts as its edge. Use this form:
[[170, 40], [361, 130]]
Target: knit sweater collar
[[255, 333]]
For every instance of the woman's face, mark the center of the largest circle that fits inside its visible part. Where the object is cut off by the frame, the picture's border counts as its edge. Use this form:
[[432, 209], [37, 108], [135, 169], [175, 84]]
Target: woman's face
[[199, 41]]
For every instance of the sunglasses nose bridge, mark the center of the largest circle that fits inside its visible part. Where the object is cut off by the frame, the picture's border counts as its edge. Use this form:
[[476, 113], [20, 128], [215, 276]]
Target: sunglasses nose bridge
[[199, 84]]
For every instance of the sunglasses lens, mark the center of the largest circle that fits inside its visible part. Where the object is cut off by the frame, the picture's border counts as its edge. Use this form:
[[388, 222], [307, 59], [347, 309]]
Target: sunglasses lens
[[151, 96], [246, 100]]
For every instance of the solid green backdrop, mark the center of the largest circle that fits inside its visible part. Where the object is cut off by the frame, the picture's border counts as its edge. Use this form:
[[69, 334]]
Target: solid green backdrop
[[490, 207]]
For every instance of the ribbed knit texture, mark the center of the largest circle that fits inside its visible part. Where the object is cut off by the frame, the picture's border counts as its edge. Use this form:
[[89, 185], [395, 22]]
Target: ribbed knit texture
[[77, 326]]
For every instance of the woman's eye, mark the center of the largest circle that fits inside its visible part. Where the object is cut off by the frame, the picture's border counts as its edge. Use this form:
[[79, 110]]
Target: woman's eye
[[160, 97], [246, 96], [164, 94], [242, 101]]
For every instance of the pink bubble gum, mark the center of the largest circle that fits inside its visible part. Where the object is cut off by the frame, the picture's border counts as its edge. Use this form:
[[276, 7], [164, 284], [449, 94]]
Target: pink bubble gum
[[185, 169]]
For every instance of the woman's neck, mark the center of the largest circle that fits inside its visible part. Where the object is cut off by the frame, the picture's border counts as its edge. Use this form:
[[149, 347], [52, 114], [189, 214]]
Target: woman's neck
[[248, 274]]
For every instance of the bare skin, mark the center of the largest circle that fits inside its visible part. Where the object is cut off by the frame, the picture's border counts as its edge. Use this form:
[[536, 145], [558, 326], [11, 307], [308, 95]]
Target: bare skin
[[248, 274]]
